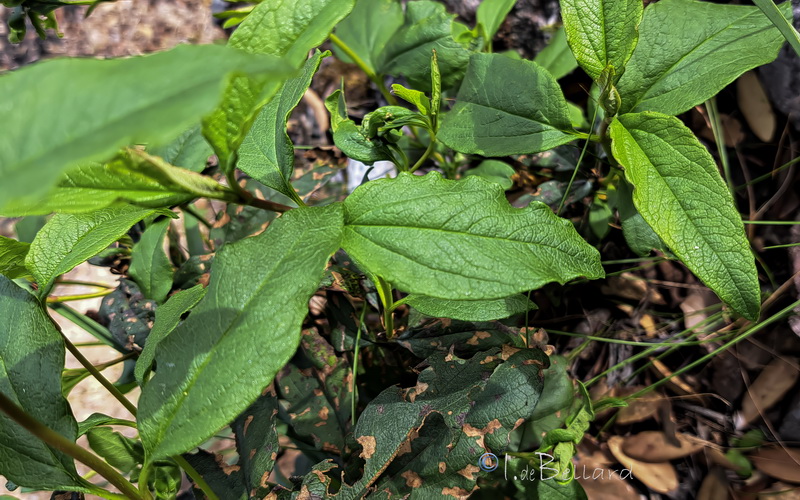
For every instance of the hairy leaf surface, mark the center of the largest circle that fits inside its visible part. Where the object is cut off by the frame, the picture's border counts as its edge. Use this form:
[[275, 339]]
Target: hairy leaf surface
[[31, 361], [681, 195], [67, 240], [602, 33], [460, 240], [690, 50], [247, 327], [368, 29], [68, 111], [507, 107]]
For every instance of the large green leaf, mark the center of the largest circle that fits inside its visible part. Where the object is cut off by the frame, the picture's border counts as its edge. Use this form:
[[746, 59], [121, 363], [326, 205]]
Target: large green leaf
[[12, 257], [267, 152], [690, 50], [67, 240], [368, 29], [150, 266], [284, 28], [31, 361], [219, 360], [602, 33], [460, 240], [168, 316], [681, 195], [427, 27], [507, 107], [134, 177], [69, 111]]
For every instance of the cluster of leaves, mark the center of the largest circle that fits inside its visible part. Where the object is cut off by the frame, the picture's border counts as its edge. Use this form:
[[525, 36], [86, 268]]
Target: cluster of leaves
[[124, 153]]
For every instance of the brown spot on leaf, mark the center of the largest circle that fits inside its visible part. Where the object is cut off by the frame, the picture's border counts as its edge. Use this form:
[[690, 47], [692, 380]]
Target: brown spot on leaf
[[475, 339], [412, 479], [488, 359], [368, 445], [247, 424], [469, 471], [455, 492], [480, 433], [508, 351], [323, 413], [406, 446], [442, 467], [417, 390]]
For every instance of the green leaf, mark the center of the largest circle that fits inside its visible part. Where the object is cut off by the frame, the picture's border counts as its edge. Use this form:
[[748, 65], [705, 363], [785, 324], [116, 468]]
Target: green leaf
[[415, 97], [507, 107], [681, 195], [31, 361], [462, 338], [283, 28], [267, 152], [98, 419], [67, 240], [491, 13], [460, 240], [205, 378], [168, 315], [349, 137], [12, 258], [150, 266], [426, 27], [119, 451], [470, 310], [495, 171], [777, 18], [92, 107], [189, 150], [639, 236], [602, 33], [690, 50], [368, 29], [133, 177], [557, 57]]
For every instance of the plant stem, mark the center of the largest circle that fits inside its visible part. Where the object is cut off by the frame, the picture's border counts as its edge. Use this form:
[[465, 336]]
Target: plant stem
[[83, 296], [385, 293], [196, 477], [355, 365], [425, 155], [719, 138], [750, 331], [196, 215], [59, 442], [349, 52], [97, 375], [84, 283], [577, 167]]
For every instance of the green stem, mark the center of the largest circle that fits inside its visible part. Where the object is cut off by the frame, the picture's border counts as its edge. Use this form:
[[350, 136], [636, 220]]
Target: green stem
[[355, 366], [385, 293], [97, 375], [196, 215], [750, 331], [82, 296], [719, 138], [575, 172], [59, 442], [85, 283], [196, 477], [425, 155], [341, 45]]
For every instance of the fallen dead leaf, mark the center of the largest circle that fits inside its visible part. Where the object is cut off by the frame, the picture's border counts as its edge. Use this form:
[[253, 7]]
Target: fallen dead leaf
[[659, 477], [592, 471], [714, 486], [630, 286], [677, 384], [770, 387], [780, 463], [755, 106], [780, 491], [641, 409], [653, 447]]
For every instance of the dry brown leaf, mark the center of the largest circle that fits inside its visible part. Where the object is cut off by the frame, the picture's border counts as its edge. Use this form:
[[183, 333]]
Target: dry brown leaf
[[603, 486], [653, 446], [780, 491], [630, 286], [659, 477], [755, 106], [780, 463], [641, 408], [714, 487], [677, 384], [649, 324], [770, 387]]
